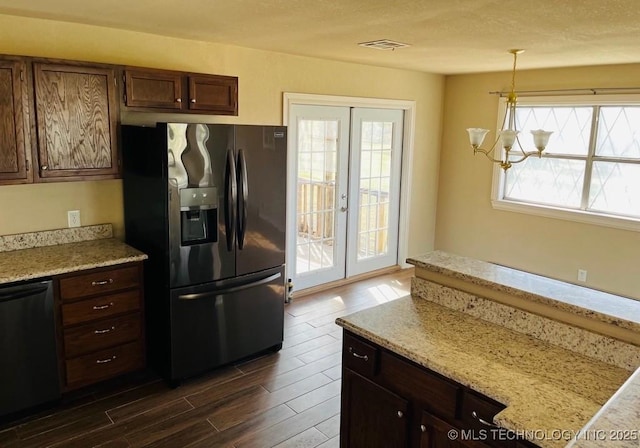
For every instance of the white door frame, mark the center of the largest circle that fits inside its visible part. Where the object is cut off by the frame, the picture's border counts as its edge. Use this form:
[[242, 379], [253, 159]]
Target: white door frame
[[409, 108]]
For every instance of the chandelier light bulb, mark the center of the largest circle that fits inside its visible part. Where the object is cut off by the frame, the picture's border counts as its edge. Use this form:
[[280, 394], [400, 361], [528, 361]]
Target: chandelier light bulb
[[508, 137], [476, 136], [541, 138]]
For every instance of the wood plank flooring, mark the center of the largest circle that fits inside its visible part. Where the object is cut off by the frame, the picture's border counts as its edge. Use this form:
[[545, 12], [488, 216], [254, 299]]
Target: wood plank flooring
[[285, 399]]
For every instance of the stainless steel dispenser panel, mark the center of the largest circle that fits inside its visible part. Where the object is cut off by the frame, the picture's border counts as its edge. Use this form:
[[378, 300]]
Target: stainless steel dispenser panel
[[202, 198]]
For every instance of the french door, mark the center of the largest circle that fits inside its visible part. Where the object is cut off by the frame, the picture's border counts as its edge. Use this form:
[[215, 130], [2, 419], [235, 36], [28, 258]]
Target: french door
[[346, 191]]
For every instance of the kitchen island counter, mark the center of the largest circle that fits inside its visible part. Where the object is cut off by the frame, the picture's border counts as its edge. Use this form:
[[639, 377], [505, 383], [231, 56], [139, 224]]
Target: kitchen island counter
[[550, 392]]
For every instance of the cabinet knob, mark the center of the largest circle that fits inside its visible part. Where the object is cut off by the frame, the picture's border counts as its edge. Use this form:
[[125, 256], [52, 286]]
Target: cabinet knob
[[423, 428], [193, 100], [44, 167], [178, 100], [400, 414]]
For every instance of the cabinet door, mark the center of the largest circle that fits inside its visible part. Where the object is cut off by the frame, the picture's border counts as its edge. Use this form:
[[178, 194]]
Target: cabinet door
[[371, 416], [76, 121], [154, 89], [14, 124], [217, 94], [439, 434]]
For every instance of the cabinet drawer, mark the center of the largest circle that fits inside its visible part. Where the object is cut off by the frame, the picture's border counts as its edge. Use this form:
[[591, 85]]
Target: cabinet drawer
[[100, 307], [435, 394], [477, 413], [359, 356], [104, 364], [99, 282], [101, 334]]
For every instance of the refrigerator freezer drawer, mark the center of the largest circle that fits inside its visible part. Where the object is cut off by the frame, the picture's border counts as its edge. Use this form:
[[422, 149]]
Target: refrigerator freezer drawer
[[220, 322]]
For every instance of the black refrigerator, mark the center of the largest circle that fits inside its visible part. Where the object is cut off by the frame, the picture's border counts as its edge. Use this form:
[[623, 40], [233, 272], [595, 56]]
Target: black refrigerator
[[207, 204]]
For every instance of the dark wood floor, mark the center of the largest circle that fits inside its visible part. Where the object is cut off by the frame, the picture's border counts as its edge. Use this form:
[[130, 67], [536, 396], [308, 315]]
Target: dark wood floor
[[287, 399]]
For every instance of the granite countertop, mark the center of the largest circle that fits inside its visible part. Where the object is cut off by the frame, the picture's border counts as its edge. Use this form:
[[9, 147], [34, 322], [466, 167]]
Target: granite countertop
[[620, 311], [546, 389], [609, 426], [38, 262]]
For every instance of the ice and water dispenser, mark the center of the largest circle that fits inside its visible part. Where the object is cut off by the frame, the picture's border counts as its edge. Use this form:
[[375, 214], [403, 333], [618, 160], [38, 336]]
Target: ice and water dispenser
[[198, 215]]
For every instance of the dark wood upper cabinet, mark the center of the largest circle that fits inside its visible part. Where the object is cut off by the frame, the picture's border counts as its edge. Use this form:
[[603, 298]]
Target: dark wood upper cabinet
[[153, 89], [163, 90], [15, 142], [214, 93], [76, 114], [59, 119]]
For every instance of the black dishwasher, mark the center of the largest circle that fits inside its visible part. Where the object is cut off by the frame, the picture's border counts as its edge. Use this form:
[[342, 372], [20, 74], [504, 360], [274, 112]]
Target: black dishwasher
[[28, 360]]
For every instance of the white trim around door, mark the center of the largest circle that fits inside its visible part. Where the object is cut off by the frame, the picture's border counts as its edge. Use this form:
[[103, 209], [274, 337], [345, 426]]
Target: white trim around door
[[409, 108]]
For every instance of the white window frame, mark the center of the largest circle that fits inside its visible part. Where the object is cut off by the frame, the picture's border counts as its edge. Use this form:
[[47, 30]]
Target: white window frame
[[549, 211]]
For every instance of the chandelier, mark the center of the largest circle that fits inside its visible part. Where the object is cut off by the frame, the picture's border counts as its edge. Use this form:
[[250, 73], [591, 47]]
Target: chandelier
[[508, 136]]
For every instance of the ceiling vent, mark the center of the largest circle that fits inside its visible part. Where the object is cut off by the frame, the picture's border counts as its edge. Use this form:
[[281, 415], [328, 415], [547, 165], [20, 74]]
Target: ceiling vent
[[383, 44]]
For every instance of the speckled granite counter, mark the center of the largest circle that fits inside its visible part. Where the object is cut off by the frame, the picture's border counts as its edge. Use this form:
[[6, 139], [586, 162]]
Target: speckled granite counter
[[545, 388], [37, 262], [617, 424], [619, 311]]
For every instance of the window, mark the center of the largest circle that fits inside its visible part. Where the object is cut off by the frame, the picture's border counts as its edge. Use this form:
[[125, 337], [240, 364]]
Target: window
[[590, 170]]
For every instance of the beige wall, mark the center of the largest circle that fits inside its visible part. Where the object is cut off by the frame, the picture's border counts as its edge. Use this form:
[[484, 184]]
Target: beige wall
[[468, 225], [263, 77]]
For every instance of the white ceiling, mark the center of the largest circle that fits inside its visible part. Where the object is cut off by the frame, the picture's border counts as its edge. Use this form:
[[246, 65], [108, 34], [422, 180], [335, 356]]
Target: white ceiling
[[446, 36]]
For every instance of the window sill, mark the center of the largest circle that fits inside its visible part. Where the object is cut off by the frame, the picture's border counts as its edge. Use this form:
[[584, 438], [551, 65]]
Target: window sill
[[599, 219]]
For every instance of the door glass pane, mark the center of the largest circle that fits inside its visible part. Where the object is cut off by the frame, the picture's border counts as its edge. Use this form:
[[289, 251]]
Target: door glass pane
[[615, 187], [316, 173], [375, 164]]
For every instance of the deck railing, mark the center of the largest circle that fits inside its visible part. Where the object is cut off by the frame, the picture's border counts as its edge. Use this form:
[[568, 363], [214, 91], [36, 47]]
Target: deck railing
[[316, 202]]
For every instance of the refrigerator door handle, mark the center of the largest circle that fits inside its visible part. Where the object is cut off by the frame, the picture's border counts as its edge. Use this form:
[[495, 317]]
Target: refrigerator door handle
[[243, 197], [231, 197], [217, 292]]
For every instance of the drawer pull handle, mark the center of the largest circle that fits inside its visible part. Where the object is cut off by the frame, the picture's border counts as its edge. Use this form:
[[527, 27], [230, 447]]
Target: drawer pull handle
[[482, 421], [106, 330], [104, 361], [102, 282], [103, 307], [400, 414], [355, 355], [423, 428]]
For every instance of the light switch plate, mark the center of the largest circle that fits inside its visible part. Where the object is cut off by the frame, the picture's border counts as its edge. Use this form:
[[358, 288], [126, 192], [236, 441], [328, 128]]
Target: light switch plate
[[73, 218]]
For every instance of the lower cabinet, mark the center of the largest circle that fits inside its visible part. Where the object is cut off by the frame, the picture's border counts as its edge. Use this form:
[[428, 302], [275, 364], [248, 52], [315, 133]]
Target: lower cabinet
[[376, 417], [389, 401], [101, 325], [436, 433]]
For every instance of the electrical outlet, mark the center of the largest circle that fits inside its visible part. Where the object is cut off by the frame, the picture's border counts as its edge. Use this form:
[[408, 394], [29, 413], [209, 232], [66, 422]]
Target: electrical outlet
[[582, 275], [73, 217]]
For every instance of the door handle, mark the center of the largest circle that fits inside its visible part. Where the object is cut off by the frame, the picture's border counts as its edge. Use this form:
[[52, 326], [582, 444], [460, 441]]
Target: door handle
[[221, 291], [231, 195], [343, 198], [243, 197]]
